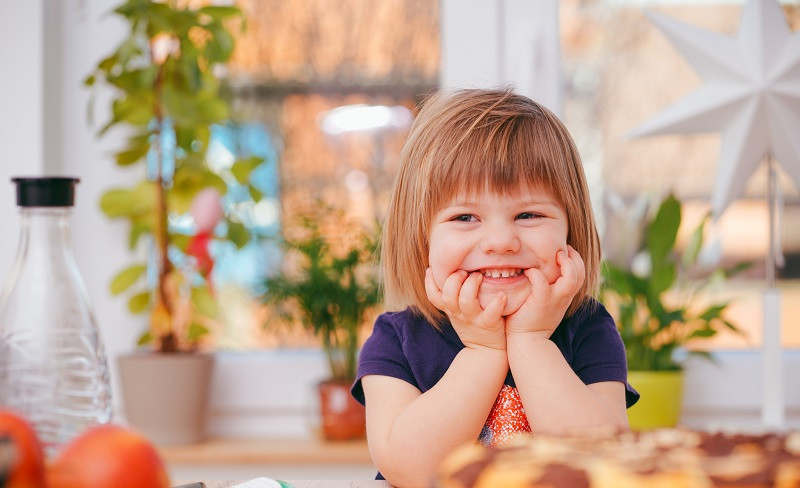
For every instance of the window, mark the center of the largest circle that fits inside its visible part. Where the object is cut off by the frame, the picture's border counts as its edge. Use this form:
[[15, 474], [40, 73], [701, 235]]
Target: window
[[332, 85], [620, 70]]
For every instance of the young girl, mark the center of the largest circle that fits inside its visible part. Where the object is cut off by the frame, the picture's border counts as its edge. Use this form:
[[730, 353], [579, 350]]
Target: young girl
[[491, 256]]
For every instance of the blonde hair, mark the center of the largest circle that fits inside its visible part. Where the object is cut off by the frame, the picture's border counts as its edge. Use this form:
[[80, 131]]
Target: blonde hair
[[463, 142]]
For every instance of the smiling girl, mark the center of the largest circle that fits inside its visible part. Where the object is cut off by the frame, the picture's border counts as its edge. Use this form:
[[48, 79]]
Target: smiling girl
[[491, 258]]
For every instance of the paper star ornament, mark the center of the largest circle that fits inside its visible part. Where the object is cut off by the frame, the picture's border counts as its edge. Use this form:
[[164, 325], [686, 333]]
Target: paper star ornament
[[750, 92]]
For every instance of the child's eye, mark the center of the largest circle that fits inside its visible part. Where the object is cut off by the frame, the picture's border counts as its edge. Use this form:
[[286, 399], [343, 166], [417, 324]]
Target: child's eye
[[464, 218], [528, 215]]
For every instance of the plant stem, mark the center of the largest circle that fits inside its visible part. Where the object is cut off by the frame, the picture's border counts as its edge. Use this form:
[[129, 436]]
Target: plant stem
[[167, 342]]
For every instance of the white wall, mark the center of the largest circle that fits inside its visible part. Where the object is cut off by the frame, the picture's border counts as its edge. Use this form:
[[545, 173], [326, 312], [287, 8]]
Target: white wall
[[21, 126]]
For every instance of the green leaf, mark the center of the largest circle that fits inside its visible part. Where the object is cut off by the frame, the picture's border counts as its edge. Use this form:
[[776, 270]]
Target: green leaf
[[139, 227], [132, 155], [662, 278], [139, 303], [204, 302], [663, 230], [134, 110], [703, 333], [188, 180], [617, 279], [220, 47], [731, 326], [196, 331], [738, 268], [703, 354], [118, 203], [123, 202], [126, 278], [255, 193], [695, 244], [714, 311], [146, 197], [220, 12], [237, 233], [181, 241], [242, 168], [145, 339], [194, 108]]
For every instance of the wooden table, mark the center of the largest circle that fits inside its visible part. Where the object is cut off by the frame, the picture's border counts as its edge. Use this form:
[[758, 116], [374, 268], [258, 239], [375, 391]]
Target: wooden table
[[286, 459]]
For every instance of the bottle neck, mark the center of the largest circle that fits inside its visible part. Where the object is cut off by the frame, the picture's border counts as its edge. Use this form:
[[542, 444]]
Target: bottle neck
[[46, 230]]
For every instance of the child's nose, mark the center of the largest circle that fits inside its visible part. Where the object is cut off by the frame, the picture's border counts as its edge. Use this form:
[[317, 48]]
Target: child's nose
[[500, 240]]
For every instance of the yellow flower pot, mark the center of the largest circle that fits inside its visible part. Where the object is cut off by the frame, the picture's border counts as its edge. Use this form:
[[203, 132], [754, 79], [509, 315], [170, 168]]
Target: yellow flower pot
[[660, 404]]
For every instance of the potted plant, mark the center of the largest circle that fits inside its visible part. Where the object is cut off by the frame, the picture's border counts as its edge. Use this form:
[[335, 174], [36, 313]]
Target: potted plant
[[330, 291], [659, 307], [166, 94]]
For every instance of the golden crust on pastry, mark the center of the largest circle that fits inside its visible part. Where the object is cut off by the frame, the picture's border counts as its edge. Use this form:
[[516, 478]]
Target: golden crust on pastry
[[669, 458]]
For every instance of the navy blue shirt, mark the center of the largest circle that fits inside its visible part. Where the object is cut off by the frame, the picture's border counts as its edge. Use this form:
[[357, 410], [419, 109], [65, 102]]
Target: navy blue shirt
[[404, 345]]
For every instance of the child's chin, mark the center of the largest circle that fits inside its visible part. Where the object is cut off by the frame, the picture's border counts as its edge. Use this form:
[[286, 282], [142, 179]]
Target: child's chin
[[515, 299]]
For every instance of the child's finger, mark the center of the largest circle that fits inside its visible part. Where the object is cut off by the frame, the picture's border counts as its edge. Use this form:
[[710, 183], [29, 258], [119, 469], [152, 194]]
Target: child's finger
[[433, 291], [569, 274], [538, 281], [452, 288], [494, 310], [579, 264], [468, 297], [572, 273]]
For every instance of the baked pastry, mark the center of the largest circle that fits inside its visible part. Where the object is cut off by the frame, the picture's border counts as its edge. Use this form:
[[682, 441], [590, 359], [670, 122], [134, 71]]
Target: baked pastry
[[669, 458]]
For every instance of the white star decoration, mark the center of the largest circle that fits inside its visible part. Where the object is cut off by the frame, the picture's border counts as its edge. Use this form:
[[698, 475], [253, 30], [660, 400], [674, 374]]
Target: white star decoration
[[751, 92]]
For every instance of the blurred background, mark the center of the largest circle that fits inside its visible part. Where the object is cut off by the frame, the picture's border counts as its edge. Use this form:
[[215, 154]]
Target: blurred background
[[324, 92]]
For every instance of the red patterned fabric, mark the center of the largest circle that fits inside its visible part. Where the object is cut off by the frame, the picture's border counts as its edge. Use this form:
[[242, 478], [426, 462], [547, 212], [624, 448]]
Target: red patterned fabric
[[506, 419]]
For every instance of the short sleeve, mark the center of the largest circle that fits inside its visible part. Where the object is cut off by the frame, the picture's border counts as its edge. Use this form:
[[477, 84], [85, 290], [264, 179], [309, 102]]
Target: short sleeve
[[382, 354], [599, 354]]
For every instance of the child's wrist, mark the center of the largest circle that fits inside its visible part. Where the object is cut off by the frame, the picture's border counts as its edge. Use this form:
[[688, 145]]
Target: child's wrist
[[486, 359], [499, 345], [527, 338]]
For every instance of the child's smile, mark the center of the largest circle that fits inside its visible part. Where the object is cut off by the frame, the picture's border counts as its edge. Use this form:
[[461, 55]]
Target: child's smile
[[499, 237]]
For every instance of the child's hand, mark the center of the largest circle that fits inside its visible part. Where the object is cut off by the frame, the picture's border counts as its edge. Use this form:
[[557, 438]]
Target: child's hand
[[458, 298], [544, 308]]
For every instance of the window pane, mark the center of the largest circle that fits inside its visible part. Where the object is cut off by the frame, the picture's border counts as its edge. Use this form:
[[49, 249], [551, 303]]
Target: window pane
[[620, 70], [332, 84]]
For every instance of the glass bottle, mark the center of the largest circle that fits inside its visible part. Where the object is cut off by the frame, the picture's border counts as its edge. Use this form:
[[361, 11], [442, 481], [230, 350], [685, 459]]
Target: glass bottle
[[52, 366]]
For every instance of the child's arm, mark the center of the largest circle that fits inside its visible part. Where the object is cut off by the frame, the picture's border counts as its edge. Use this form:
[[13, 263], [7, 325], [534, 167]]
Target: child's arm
[[557, 401], [410, 432]]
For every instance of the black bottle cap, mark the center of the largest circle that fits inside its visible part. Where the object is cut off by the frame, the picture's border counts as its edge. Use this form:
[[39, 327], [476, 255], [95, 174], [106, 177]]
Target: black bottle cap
[[46, 191]]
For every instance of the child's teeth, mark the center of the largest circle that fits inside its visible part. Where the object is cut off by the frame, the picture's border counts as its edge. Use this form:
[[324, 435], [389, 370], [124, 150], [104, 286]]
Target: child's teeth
[[497, 273]]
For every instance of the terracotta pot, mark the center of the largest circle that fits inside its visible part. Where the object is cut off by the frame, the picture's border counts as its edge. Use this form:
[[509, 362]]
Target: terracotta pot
[[166, 395], [342, 416]]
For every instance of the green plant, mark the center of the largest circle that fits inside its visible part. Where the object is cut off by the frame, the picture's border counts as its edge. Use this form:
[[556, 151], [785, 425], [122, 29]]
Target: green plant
[[165, 92], [659, 309], [332, 288]]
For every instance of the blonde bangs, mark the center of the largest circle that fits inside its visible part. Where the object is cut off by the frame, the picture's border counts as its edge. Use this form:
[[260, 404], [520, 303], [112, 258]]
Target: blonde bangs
[[503, 159]]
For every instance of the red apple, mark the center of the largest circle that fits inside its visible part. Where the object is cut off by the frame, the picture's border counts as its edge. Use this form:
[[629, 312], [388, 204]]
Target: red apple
[[106, 456], [26, 468]]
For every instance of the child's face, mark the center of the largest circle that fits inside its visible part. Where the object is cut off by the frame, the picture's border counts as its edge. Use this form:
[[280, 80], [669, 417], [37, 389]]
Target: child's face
[[499, 237]]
